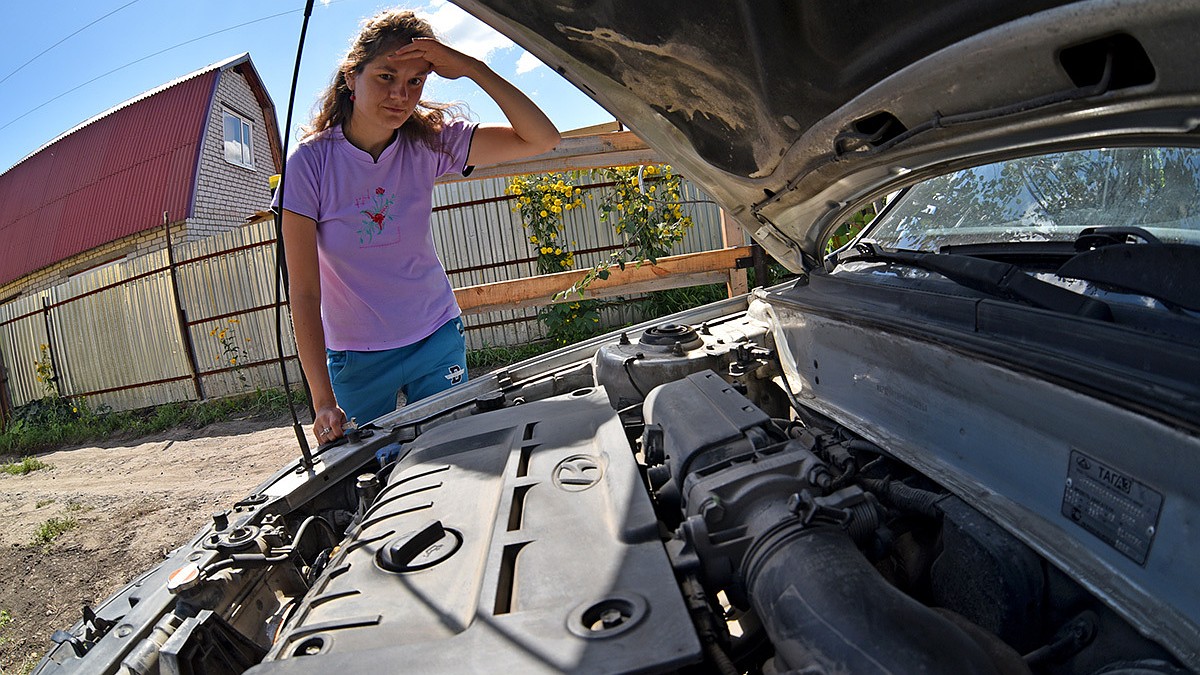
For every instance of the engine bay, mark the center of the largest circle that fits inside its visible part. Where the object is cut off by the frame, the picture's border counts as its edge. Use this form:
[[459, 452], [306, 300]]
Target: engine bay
[[663, 504]]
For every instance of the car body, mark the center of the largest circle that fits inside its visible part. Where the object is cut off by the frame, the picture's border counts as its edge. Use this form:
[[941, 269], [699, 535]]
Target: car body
[[964, 443]]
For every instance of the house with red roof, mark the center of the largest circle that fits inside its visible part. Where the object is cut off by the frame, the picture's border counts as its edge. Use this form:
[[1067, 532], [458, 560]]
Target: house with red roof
[[195, 154]]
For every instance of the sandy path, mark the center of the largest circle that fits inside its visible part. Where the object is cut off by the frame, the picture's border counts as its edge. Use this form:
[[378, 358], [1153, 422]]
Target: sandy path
[[133, 503]]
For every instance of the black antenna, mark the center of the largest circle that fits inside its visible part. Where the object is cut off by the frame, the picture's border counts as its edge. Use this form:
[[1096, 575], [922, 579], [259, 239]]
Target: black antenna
[[306, 458]]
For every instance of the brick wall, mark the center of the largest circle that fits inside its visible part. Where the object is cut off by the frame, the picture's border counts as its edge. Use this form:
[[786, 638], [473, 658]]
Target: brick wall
[[226, 193], [128, 247]]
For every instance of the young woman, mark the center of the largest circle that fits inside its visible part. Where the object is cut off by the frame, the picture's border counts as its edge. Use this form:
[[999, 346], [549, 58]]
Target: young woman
[[372, 307]]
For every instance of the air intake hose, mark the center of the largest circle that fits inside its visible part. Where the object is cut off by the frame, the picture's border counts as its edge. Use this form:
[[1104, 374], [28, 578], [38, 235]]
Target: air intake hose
[[823, 605]]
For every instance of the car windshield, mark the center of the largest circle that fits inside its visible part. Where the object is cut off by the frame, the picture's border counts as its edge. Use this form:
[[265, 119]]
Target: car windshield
[[1050, 198]]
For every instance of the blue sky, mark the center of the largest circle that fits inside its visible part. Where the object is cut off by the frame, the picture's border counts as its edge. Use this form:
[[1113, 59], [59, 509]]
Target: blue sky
[[136, 45]]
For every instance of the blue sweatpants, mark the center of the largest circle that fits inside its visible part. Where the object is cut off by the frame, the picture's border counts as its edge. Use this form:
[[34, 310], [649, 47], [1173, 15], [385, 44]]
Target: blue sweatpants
[[366, 383]]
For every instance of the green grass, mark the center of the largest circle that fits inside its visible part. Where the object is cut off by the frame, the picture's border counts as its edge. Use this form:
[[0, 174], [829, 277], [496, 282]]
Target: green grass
[[487, 359], [662, 303], [41, 503], [52, 529], [23, 467], [26, 664], [56, 422]]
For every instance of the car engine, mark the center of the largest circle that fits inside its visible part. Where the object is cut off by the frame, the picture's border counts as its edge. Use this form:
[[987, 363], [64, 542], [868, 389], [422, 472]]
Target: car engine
[[657, 501]]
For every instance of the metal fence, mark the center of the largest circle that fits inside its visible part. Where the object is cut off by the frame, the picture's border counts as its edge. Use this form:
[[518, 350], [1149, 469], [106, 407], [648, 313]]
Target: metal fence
[[198, 320]]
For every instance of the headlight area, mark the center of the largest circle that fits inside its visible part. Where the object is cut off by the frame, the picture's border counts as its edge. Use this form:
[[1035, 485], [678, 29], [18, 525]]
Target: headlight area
[[662, 505]]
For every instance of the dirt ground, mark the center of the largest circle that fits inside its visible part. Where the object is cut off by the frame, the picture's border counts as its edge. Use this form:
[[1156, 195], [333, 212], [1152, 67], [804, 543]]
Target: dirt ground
[[133, 501]]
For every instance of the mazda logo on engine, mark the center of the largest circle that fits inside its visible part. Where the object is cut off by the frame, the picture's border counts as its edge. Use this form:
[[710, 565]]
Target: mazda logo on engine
[[577, 473]]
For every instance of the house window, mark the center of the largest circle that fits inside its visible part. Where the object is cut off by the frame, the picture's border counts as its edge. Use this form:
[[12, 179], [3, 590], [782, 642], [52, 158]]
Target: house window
[[239, 141]]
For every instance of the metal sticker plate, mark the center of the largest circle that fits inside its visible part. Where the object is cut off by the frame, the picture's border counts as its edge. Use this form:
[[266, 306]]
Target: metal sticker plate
[[1111, 504]]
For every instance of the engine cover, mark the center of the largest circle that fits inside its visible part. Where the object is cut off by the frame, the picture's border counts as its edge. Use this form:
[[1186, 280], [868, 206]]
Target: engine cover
[[520, 540]]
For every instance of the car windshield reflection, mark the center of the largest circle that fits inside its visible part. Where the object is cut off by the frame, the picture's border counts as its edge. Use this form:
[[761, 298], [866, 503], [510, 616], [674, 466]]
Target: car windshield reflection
[[1050, 198]]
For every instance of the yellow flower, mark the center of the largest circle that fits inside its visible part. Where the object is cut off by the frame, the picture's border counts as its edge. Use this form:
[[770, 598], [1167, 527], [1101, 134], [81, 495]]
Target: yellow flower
[[533, 239], [544, 214], [234, 321], [212, 332], [233, 360], [558, 251]]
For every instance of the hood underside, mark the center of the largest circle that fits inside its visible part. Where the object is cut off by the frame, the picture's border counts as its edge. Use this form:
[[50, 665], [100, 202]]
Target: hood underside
[[792, 113]]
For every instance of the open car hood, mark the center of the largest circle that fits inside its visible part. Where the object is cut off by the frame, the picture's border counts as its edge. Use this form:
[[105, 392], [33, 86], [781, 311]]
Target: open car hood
[[794, 114]]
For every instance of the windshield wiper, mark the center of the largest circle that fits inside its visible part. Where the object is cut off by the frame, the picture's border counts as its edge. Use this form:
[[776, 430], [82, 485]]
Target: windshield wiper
[[1167, 272], [994, 278]]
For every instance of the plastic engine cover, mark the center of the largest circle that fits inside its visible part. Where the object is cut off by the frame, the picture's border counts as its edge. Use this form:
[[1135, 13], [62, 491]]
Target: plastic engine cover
[[516, 541]]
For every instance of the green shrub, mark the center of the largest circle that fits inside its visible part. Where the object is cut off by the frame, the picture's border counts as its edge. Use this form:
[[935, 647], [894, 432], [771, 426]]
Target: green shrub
[[53, 529], [23, 467]]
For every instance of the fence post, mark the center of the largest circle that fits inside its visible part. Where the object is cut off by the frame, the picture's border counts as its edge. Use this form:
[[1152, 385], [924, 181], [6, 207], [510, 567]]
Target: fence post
[[5, 397], [180, 315], [731, 235], [57, 379]]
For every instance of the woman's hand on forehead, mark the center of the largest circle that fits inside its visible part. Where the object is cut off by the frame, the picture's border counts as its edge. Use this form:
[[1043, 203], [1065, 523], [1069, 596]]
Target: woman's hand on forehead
[[401, 59], [445, 61]]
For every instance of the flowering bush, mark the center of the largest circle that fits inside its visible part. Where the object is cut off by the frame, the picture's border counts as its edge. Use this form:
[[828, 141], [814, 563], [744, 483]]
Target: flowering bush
[[543, 200], [232, 349], [43, 369], [570, 322], [643, 205]]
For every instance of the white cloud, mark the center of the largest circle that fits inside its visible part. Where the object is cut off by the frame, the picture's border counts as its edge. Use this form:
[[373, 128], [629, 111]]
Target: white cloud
[[527, 62], [464, 32]]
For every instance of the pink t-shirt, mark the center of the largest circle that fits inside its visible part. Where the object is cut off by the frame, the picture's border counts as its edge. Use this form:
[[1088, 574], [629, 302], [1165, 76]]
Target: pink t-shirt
[[382, 284]]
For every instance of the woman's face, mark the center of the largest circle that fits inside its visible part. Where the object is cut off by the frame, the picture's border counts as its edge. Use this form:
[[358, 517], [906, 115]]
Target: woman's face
[[387, 91]]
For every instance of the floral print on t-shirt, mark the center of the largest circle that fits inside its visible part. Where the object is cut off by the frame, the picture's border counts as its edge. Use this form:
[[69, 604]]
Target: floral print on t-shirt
[[374, 230]]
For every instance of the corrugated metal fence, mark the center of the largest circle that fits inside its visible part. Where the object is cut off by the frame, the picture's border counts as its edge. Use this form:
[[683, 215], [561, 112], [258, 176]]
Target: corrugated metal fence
[[117, 335]]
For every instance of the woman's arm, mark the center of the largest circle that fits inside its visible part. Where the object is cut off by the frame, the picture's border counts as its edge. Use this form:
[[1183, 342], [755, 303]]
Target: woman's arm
[[529, 132], [304, 296]]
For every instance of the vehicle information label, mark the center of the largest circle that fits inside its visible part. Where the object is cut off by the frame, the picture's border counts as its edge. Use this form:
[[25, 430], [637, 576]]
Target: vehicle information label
[[1111, 504]]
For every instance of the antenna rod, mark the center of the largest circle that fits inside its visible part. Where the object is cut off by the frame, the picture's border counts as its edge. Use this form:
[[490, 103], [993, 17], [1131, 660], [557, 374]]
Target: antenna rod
[[306, 458]]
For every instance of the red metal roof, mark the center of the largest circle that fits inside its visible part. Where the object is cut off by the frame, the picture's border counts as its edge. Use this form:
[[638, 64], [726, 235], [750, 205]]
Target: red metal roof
[[112, 176]]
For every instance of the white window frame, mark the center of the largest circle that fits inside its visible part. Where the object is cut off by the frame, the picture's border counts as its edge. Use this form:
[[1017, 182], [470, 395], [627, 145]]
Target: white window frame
[[246, 130]]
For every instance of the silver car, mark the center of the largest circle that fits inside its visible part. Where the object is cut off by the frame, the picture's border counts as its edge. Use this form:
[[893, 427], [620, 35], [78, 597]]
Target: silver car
[[966, 442]]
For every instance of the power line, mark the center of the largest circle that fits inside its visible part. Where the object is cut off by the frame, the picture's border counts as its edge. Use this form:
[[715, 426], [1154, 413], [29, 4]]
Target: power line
[[149, 56], [39, 54]]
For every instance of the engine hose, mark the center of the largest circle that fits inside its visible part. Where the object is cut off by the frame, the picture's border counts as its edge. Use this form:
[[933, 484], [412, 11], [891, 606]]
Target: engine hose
[[905, 497], [824, 607]]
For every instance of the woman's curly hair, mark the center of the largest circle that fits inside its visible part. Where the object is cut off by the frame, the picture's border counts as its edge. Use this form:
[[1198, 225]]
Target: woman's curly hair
[[385, 32]]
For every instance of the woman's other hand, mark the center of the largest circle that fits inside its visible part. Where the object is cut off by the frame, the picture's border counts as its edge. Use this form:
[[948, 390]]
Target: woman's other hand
[[328, 424]]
